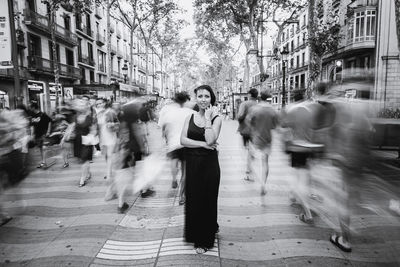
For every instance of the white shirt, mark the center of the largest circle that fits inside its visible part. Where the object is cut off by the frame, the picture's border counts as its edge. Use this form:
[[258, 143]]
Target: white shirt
[[107, 136], [172, 119]]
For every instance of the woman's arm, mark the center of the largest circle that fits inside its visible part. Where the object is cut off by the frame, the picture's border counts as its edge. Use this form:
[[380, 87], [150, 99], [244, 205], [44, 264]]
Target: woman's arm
[[212, 131], [190, 143]]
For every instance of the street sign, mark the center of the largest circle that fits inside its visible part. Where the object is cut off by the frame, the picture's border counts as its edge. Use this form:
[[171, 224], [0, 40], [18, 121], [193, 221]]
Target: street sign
[[36, 86], [52, 91], [5, 37]]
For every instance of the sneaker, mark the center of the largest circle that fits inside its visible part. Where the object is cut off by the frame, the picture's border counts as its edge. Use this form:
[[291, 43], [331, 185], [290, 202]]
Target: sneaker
[[122, 209], [147, 193], [66, 165], [174, 184], [41, 165]]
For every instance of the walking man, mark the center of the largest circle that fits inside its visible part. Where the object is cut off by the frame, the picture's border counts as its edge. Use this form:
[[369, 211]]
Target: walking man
[[172, 118], [244, 128], [261, 118]]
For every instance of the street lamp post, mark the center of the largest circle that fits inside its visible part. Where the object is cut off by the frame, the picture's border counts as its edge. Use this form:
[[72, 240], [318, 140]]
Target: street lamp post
[[125, 72], [284, 54]]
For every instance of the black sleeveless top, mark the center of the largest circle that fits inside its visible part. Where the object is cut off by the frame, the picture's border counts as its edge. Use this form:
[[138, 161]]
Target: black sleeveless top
[[197, 133]]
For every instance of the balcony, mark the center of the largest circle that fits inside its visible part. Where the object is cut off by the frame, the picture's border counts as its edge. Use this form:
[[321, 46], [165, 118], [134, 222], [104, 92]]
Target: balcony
[[120, 54], [113, 50], [41, 23], [100, 39], [98, 12], [86, 60], [9, 73], [116, 74], [83, 30], [46, 66], [359, 3]]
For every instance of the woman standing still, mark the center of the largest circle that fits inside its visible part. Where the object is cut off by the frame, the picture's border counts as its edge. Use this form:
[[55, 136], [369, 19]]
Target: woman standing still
[[199, 137]]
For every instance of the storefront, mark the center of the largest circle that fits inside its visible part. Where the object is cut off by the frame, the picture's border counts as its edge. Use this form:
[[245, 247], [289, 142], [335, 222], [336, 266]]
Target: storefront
[[127, 91], [97, 90], [36, 93]]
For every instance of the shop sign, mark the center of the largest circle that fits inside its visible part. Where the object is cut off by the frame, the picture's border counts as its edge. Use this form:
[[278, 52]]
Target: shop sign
[[68, 93], [36, 86], [52, 90], [128, 88], [5, 37]]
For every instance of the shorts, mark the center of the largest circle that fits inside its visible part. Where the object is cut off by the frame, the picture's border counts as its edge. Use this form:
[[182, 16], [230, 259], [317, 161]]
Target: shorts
[[259, 152], [176, 154], [246, 139], [299, 159]]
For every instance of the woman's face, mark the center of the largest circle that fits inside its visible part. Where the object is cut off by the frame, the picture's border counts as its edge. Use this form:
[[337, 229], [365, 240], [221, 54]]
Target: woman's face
[[203, 98]]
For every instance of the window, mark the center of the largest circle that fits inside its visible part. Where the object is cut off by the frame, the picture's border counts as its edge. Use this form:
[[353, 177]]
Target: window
[[91, 76], [304, 20], [90, 51], [298, 61], [304, 37], [298, 41], [303, 60], [51, 51], [292, 45], [83, 73], [67, 22], [370, 28], [364, 26], [102, 61]]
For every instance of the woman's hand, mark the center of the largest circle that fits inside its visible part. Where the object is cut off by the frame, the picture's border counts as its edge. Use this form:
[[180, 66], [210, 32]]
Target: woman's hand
[[210, 147], [209, 113]]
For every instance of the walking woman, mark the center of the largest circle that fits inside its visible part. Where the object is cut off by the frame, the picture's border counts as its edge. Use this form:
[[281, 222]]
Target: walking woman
[[84, 139], [199, 137]]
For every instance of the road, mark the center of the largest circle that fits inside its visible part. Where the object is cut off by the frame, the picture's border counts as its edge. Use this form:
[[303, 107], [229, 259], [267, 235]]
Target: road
[[56, 223]]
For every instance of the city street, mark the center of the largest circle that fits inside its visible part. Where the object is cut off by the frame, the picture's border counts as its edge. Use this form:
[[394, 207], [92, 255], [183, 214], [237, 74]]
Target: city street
[[56, 223]]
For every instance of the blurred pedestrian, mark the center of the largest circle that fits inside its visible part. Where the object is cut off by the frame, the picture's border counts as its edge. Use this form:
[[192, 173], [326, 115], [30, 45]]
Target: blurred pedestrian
[[261, 119], [244, 128], [199, 137], [41, 124], [299, 118], [171, 121], [85, 137], [108, 125]]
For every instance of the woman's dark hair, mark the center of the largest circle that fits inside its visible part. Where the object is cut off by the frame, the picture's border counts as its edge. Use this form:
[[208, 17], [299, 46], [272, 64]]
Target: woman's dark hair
[[207, 88]]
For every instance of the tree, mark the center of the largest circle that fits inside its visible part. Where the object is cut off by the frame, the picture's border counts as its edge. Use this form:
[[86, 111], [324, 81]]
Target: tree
[[157, 10], [223, 19], [53, 6], [167, 36], [397, 10], [323, 37]]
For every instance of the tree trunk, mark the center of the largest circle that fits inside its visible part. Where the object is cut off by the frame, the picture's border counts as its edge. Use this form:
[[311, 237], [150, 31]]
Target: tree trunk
[[53, 24], [108, 33], [147, 67], [311, 8], [246, 82], [131, 78], [397, 10]]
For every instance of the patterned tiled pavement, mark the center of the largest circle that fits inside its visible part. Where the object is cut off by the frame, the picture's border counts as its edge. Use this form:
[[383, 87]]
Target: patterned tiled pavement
[[58, 224]]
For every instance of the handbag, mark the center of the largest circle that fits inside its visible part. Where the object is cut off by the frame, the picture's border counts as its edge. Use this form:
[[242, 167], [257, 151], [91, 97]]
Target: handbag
[[90, 140]]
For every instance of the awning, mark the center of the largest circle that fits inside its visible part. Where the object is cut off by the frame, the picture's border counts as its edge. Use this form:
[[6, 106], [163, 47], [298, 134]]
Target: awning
[[129, 88]]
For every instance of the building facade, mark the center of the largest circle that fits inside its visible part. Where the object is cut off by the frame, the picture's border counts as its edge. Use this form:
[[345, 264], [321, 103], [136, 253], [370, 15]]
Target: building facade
[[294, 39], [81, 48]]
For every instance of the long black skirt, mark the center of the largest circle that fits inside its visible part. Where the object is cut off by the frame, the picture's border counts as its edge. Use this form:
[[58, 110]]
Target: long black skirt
[[202, 185]]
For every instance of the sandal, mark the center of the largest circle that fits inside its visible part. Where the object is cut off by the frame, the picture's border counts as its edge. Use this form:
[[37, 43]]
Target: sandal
[[5, 220], [304, 219], [201, 250], [181, 201], [83, 184], [335, 240], [66, 165], [41, 165]]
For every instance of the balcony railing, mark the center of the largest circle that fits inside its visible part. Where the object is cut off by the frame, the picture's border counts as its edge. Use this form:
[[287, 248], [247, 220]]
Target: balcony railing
[[100, 39], [85, 30], [9, 73], [42, 23], [86, 60], [40, 64], [116, 74], [360, 39], [98, 12], [101, 68], [113, 50]]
